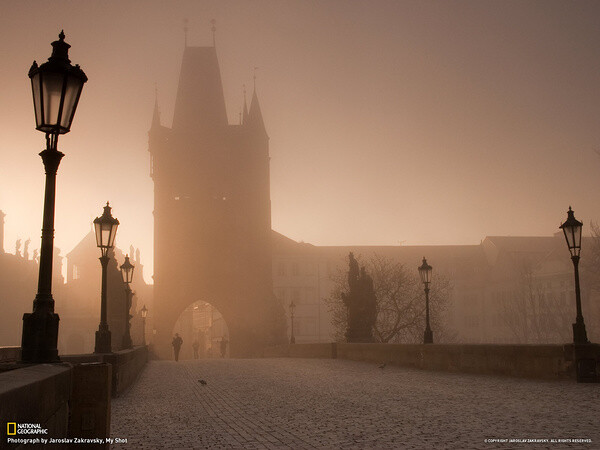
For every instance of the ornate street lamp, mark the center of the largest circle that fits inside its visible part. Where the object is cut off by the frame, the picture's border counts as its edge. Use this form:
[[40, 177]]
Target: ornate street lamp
[[572, 229], [106, 230], [144, 312], [127, 273], [56, 87], [292, 309], [425, 273]]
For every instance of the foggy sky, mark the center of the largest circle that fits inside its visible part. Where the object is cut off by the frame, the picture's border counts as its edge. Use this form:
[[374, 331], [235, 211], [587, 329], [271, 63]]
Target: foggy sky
[[414, 122]]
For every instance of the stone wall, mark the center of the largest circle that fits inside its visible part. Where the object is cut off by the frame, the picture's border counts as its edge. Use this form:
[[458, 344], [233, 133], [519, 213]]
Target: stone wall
[[10, 354], [71, 398], [36, 394], [550, 362], [126, 365], [327, 350]]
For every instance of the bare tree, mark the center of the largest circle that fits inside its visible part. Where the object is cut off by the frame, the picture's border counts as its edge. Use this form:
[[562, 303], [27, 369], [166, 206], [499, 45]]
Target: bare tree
[[400, 303], [534, 314]]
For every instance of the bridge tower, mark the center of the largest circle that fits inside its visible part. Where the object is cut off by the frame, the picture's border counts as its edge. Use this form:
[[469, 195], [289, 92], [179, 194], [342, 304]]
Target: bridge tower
[[212, 212]]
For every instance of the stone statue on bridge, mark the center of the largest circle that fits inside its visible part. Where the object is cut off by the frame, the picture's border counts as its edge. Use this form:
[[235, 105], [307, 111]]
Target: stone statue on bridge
[[361, 303]]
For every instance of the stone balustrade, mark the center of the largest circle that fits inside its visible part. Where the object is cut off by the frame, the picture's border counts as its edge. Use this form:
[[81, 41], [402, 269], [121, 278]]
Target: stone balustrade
[[527, 361]]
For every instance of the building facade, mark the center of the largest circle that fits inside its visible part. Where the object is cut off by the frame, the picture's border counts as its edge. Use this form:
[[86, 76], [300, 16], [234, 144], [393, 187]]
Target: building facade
[[505, 290]]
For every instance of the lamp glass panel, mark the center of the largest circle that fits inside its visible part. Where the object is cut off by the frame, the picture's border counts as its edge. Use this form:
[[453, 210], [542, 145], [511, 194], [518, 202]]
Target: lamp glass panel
[[74, 85], [112, 235], [144, 313], [52, 84], [37, 99], [425, 273], [98, 230], [577, 236], [127, 273], [106, 229], [569, 237], [428, 275]]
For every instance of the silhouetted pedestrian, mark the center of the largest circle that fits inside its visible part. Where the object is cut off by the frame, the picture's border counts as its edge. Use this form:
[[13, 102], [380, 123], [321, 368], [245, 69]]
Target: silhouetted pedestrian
[[177, 341], [224, 343], [196, 346]]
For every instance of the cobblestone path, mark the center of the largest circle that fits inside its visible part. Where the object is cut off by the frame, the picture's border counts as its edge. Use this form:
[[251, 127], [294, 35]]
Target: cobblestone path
[[330, 404]]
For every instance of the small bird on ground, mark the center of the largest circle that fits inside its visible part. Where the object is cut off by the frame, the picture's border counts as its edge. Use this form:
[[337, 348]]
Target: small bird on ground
[[382, 366], [202, 382]]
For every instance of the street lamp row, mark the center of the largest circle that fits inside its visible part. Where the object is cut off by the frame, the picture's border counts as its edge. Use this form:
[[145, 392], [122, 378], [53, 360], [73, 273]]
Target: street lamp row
[[105, 227], [56, 86]]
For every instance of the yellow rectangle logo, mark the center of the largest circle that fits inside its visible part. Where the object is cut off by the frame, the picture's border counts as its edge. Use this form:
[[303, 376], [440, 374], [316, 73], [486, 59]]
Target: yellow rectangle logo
[[13, 426]]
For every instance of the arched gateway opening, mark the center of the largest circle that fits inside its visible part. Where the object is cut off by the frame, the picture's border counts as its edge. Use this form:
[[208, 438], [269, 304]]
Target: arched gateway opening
[[204, 332]]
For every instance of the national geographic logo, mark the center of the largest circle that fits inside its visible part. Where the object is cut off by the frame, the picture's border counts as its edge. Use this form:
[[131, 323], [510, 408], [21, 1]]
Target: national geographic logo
[[14, 428]]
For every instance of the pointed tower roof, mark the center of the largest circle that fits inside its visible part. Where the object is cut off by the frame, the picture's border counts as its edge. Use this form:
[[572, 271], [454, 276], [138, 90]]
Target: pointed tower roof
[[255, 118], [155, 114], [200, 103], [245, 111]]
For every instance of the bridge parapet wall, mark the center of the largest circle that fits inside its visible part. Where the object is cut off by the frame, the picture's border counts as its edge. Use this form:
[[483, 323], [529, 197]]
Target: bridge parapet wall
[[126, 365], [552, 362], [37, 394], [527, 361], [70, 398], [326, 350], [10, 354]]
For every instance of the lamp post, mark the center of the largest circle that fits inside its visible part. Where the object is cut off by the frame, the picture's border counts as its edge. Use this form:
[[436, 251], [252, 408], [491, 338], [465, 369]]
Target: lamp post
[[144, 312], [106, 230], [425, 273], [292, 309], [56, 87], [127, 273], [572, 230]]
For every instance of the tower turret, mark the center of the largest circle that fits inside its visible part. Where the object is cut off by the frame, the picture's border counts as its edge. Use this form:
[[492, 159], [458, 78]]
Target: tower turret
[[255, 118]]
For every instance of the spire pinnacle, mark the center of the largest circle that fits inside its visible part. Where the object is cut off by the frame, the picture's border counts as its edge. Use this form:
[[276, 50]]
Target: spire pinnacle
[[255, 119], [156, 113], [255, 68], [245, 110], [213, 29], [185, 32]]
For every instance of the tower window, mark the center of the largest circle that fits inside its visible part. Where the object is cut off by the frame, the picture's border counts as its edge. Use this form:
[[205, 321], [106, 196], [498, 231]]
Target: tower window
[[281, 269]]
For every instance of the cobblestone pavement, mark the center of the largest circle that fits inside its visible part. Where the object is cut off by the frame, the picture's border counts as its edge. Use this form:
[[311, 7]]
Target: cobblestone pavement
[[324, 403]]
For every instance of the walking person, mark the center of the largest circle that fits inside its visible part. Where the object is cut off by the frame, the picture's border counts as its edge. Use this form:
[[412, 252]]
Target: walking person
[[196, 346], [177, 341], [224, 343]]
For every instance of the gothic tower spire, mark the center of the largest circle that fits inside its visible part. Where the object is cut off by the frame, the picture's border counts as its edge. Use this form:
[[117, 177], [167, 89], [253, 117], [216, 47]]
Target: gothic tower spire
[[255, 118], [245, 111], [200, 103], [156, 113]]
